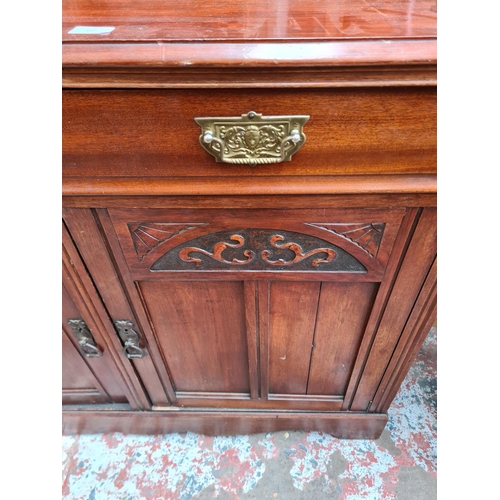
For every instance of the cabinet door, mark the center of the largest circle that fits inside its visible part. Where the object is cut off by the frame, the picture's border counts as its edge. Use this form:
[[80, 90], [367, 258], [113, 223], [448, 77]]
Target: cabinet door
[[252, 308], [90, 374]]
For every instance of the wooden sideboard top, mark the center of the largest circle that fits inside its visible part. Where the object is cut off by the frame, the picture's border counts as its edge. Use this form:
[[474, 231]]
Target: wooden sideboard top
[[394, 41], [279, 20]]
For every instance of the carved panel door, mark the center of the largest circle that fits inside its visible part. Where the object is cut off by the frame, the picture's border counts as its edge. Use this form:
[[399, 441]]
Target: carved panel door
[[252, 308]]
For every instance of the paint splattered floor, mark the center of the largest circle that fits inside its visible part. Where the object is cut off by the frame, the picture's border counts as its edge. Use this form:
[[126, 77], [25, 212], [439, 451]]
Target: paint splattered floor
[[401, 464]]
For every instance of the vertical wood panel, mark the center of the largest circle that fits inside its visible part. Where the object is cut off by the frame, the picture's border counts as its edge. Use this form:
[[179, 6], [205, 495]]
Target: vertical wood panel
[[342, 317], [201, 330], [263, 292], [251, 317], [292, 318], [412, 338], [416, 264], [75, 373]]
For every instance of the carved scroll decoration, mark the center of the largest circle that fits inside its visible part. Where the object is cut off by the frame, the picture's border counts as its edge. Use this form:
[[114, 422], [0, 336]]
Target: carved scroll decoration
[[298, 251], [366, 236], [149, 235], [258, 250], [216, 254]]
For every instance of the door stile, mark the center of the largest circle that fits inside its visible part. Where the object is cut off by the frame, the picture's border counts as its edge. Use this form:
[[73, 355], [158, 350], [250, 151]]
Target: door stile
[[405, 233], [252, 333], [138, 306]]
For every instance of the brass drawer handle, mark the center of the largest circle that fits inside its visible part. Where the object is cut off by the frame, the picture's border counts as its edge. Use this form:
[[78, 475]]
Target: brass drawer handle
[[252, 139], [82, 333], [130, 339]]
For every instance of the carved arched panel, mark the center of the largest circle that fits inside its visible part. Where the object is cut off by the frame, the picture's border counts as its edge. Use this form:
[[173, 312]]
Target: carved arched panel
[[356, 243], [258, 250]]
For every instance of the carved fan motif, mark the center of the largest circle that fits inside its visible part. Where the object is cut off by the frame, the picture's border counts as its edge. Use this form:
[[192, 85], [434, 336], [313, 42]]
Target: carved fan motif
[[366, 236], [148, 235]]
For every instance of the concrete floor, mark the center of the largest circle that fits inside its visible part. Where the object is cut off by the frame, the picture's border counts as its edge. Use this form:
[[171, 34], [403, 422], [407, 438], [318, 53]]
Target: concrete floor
[[401, 464]]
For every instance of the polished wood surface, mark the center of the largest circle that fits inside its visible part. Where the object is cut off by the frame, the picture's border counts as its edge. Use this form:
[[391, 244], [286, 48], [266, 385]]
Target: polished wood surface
[[292, 316], [361, 185], [417, 262], [205, 332], [100, 70], [343, 312], [135, 135], [200, 327], [87, 236], [223, 269], [259, 44], [95, 379], [216, 423], [135, 226], [357, 199], [170, 20], [416, 330]]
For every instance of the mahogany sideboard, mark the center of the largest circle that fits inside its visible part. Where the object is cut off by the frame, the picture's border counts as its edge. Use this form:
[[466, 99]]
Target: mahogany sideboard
[[249, 213]]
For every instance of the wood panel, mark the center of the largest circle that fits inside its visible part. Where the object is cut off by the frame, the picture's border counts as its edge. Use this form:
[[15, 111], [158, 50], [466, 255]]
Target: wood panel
[[384, 74], [415, 332], [413, 186], [100, 263], [200, 327], [345, 425], [381, 200], [242, 401], [79, 385], [104, 372], [260, 20], [342, 316], [147, 236], [292, 319], [152, 133], [412, 274], [404, 235], [252, 331]]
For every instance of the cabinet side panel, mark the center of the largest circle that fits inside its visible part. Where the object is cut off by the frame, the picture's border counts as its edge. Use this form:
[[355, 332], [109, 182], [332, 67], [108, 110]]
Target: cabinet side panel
[[292, 317], [200, 327], [412, 274], [342, 317]]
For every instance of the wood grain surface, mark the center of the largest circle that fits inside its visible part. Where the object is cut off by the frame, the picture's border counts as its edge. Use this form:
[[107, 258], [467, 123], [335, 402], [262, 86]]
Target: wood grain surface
[[120, 135], [191, 20]]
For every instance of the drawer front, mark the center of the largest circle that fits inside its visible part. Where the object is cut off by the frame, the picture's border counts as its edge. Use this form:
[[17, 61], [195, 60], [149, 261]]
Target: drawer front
[[152, 133]]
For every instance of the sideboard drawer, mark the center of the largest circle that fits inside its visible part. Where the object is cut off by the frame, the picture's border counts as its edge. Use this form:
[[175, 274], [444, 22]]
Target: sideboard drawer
[[152, 133]]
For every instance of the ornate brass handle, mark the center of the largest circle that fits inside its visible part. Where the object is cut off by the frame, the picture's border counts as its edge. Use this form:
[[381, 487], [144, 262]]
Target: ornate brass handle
[[82, 333], [130, 339], [252, 139]]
